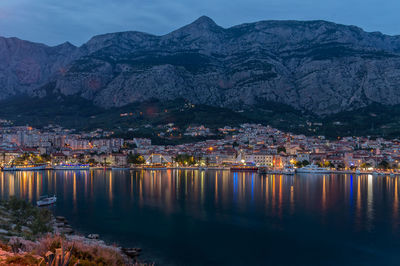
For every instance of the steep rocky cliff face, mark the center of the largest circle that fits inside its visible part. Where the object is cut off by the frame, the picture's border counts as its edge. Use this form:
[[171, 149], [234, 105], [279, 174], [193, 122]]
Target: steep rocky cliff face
[[25, 66], [315, 66]]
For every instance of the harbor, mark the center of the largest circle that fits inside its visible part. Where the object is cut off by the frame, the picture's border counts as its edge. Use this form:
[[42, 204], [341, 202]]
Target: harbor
[[236, 168], [160, 211]]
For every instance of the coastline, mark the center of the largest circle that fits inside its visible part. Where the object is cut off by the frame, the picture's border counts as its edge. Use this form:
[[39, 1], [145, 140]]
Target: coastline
[[21, 244], [62, 227], [214, 168]]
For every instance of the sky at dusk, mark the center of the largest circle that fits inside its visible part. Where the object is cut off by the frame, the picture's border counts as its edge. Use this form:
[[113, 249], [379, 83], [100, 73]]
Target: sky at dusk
[[54, 22]]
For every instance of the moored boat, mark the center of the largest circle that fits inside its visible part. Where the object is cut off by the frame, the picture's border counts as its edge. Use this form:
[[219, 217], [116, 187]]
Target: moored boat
[[284, 171], [244, 168], [28, 167], [71, 167], [313, 169], [289, 171], [46, 200]]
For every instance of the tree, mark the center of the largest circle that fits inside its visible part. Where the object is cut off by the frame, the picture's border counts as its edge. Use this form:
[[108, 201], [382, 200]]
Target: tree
[[136, 159], [340, 166], [185, 159], [384, 164], [91, 161], [281, 149], [128, 145], [46, 157], [328, 164], [298, 164], [81, 158], [22, 159], [365, 165], [305, 163]]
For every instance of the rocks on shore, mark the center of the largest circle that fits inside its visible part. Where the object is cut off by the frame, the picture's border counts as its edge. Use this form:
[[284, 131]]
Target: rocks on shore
[[17, 241], [61, 226], [93, 236], [132, 252]]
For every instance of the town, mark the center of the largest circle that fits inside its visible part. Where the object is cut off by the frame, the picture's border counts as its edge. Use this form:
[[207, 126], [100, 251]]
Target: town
[[250, 145]]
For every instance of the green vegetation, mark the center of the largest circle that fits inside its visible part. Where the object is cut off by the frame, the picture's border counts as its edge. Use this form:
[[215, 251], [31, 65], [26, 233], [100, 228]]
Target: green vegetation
[[281, 149], [191, 61], [58, 250], [28, 158], [365, 165], [300, 164], [78, 251], [384, 165], [30, 243], [144, 119], [373, 120], [332, 50], [26, 259], [136, 159], [23, 219], [185, 160], [327, 164]]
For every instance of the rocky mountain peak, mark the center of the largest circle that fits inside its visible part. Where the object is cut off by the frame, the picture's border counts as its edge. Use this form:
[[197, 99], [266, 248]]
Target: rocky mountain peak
[[200, 27], [203, 22], [125, 40], [66, 45], [315, 66]]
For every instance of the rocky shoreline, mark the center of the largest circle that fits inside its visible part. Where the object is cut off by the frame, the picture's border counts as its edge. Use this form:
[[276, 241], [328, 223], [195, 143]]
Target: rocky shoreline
[[31, 236], [62, 227]]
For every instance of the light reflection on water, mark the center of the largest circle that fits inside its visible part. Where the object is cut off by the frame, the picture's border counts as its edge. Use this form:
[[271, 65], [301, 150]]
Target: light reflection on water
[[197, 217]]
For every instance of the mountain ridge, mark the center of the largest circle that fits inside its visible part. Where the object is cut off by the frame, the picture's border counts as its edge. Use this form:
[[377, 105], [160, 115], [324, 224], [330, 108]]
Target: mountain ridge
[[314, 66]]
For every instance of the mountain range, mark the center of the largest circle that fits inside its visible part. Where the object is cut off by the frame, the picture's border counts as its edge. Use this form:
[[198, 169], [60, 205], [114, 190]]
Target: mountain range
[[315, 67]]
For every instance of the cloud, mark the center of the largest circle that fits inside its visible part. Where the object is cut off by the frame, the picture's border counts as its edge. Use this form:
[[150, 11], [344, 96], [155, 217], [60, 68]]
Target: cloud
[[54, 21]]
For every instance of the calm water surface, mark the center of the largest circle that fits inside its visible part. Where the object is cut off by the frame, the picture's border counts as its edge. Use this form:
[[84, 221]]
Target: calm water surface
[[222, 218]]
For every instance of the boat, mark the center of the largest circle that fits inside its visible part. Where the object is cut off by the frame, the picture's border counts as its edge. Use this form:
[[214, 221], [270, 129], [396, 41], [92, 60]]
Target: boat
[[155, 168], [313, 169], [120, 168], [71, 167], [289, 171], [244, 168], [28, 167], [284, 171], [46, 200]]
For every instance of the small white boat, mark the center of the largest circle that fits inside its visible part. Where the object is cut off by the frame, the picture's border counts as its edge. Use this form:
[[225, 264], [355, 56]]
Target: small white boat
[[71, 167], [283, 171], [289, 171], [120, 168], [313, 169], [46, 200]]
